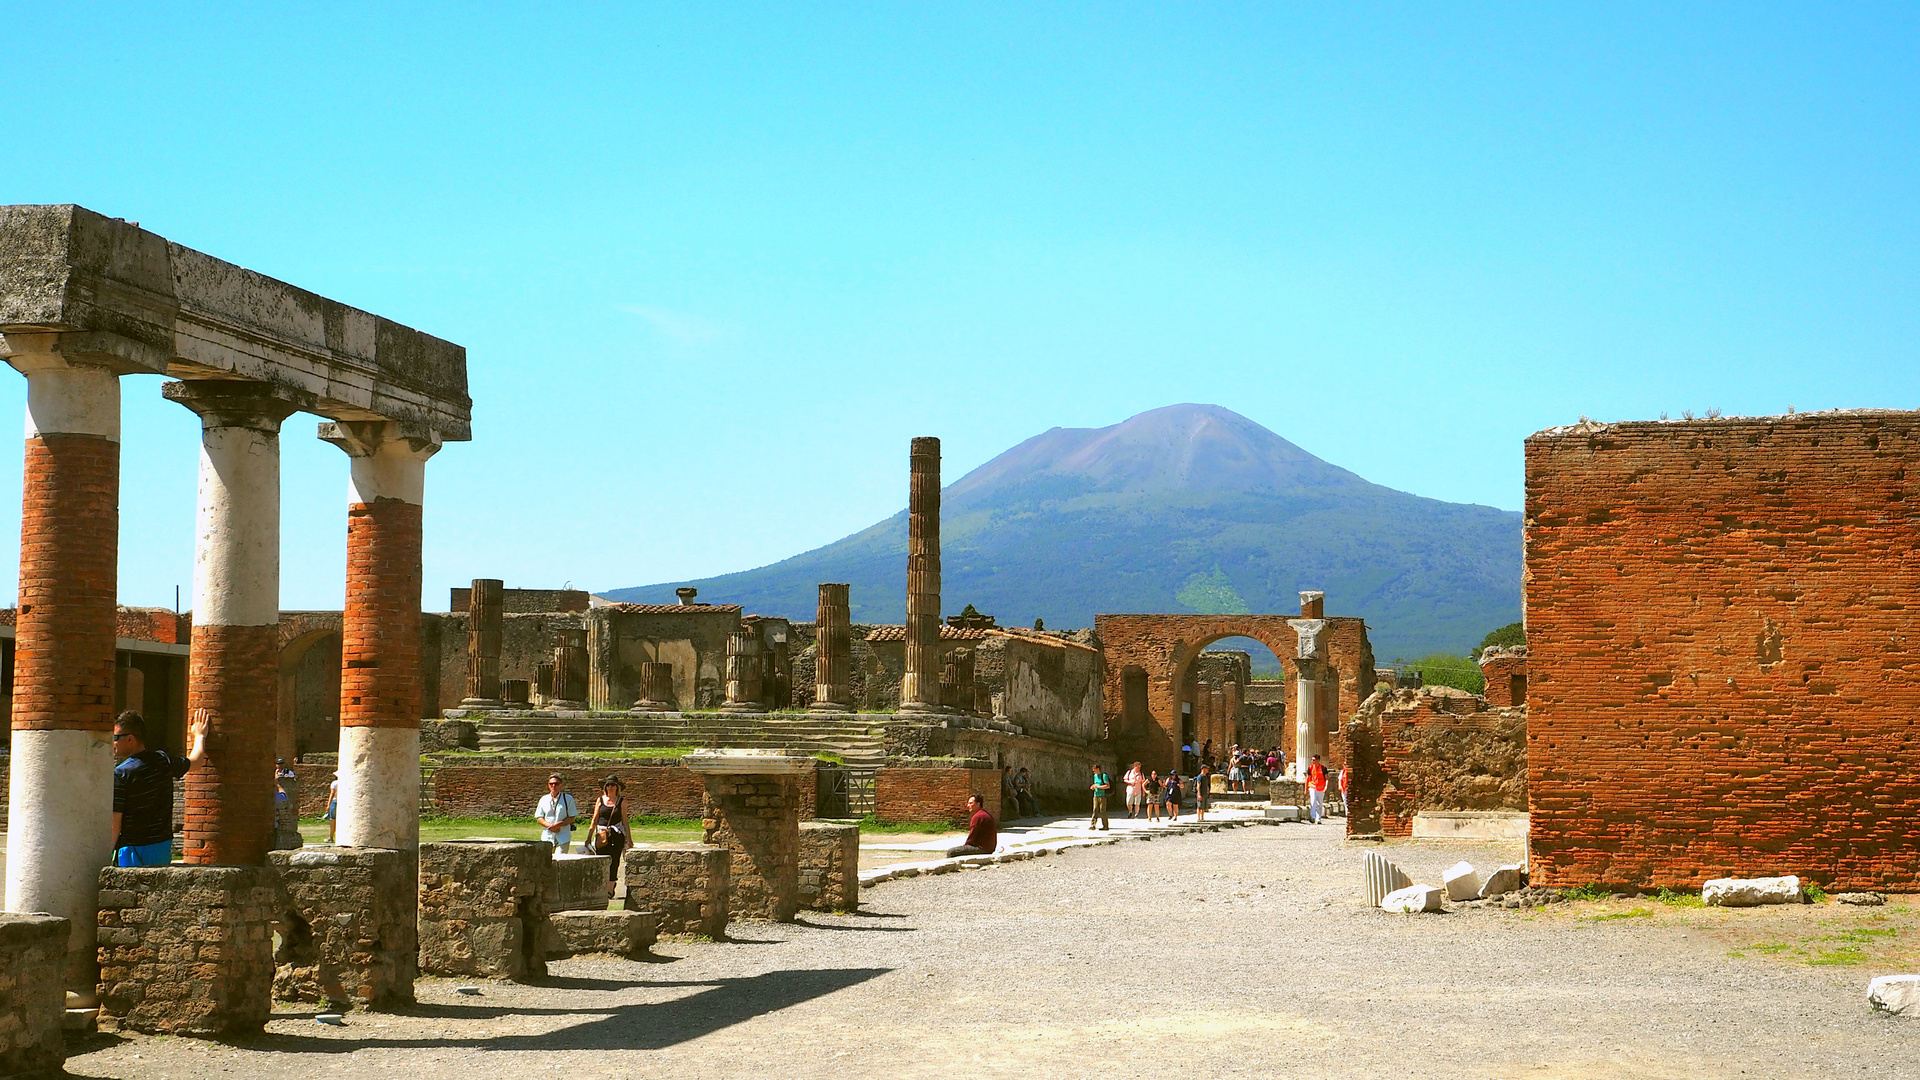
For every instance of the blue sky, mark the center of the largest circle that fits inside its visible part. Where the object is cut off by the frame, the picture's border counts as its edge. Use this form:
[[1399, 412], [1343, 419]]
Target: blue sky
[[714, 265]]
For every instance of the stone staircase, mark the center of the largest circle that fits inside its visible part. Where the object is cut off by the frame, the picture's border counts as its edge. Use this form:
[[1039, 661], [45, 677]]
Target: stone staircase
[[860, 741]]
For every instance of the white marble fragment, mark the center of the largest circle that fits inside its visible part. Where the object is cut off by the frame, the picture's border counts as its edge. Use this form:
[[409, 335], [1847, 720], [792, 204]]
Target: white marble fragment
[[1501, 882], [1413, 898], [1462, 882], [1751, 892], [1895, 994]]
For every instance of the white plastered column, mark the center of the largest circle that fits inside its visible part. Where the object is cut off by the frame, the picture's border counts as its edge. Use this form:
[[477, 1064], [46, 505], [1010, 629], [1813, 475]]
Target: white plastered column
[[1309, 656]]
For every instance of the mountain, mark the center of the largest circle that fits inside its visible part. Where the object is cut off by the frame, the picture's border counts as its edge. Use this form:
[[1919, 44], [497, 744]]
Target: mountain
[[1181, 509]]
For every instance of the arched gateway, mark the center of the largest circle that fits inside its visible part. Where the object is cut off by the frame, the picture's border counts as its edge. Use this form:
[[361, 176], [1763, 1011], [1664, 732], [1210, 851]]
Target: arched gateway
[[1148, 658]]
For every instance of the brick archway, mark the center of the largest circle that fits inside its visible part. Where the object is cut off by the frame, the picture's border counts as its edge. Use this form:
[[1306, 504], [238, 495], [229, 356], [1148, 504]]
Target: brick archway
[[1165, 647]]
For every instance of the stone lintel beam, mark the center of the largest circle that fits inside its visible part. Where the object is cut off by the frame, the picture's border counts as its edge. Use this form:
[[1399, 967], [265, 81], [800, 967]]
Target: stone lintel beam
[[727, 762]]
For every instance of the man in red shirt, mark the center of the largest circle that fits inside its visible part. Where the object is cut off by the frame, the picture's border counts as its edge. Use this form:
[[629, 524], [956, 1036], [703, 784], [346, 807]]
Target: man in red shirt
[[982, 834], [1316, 791]]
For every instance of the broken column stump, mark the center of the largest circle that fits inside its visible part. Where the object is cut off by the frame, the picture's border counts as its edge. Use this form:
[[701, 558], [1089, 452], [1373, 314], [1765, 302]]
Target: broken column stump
[[483, 908], [346, 929], [753, 810], [685, 885], [186, 950], [33, 994], [656, 688], [829, 866]]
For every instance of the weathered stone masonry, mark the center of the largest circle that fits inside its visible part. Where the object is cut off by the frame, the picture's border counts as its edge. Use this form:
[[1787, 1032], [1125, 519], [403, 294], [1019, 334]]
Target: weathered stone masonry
[[1725, 650]]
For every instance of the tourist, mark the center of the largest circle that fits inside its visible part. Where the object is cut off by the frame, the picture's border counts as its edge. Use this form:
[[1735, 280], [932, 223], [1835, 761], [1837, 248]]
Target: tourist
[[333, 806], [1023, 789], [982, 835], [1172, 800], [1202, 785], [143, 789], [1136, 782], [1273, 764], [1102, 784], [1316, 791], [1009, 795], [1153, 795], [556, 812], [1236, 769], [1345, 810], [607, 831]]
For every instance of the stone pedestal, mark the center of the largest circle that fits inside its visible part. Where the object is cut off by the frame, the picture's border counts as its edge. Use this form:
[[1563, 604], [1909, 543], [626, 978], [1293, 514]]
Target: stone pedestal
[[186, 950], [486, 608], [33, 994], [483, 908], [579, 882], [685, 885], [829, 866], [753, 810], [656, 688], [629, 934], [347, 932]]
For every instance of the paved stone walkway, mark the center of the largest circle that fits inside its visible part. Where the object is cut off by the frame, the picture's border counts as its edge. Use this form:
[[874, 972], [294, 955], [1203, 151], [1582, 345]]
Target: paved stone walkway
[[1244, 951]]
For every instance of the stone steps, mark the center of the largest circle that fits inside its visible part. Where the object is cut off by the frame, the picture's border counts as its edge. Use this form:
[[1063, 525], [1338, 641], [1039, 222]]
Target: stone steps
[[860, 744]]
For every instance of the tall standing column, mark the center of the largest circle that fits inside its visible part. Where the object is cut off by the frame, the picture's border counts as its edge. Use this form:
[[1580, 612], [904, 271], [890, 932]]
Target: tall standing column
[[920, 687], [64, 645], [380, 684], [832, 650], [1310, 659], [486, 604], [233, 667]]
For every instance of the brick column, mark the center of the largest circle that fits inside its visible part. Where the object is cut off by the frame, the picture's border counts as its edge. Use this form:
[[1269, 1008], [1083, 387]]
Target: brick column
[[233, 670], [920, 686], [62, 750], [380, 684], [753, 810]]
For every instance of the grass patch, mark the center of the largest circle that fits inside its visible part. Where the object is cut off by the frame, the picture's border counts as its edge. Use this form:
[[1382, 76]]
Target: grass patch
[[1679, 899], [1769, 948], [1815, 893], [1636, 913], [1844, 956], [434, 828], [872, 824], [1587, 892]]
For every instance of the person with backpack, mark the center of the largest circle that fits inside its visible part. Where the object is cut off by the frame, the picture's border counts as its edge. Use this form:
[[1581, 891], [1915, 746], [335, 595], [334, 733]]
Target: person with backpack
[[556, 813], [1102, 784], [1173, 795]]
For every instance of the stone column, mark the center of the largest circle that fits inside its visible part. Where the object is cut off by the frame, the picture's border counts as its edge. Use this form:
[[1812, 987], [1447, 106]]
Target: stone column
[[832, 651], [1231, 715], [1217, 712], [569, 670], [1306, 720], [743, 670], [64, 645], [380, 683], [486, 607], [956, 680], [920, 687], [233, 668], [1310, 658], [656, 688]]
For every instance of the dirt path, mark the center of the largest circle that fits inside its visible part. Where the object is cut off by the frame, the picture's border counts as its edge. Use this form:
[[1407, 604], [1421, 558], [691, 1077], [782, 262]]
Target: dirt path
[[1245, 951]]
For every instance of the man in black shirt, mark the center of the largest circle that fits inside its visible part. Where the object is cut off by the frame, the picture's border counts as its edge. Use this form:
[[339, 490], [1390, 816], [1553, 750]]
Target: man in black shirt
[[143, 789]]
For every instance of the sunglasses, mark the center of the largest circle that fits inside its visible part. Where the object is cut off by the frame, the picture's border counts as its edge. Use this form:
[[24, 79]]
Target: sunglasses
[[118, 735]]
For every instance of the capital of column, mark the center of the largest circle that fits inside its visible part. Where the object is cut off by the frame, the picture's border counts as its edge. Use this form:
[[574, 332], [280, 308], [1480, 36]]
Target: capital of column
[[235, 403], [389, 459], [67, 393]]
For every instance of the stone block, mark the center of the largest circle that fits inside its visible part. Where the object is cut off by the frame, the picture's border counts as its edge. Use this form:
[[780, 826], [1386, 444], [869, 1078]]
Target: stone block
[[1860, 899], [580, 882], [483, 908], [1501, 881], [1462, 882], [1751, 892], [347, 926], [829, 866], [618, 933], [33, 995], [200, 961], [1412, 899], [687, 885], [1898, 995]]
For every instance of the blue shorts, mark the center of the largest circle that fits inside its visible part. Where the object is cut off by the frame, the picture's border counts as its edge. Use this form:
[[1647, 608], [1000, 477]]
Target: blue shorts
[[333, 810], [159, 854]]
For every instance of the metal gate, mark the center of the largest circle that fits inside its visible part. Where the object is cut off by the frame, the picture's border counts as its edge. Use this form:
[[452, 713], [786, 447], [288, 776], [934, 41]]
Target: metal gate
[[843, 793]]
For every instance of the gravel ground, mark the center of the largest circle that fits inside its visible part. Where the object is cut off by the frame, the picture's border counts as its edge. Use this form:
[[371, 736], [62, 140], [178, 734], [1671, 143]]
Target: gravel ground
[[1243, 951]]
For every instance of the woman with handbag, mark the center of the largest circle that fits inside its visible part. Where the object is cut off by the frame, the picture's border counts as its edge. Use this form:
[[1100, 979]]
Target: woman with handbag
[[609, 834]]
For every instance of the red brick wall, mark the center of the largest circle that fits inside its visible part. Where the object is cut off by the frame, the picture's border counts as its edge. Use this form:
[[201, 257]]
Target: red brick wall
[[512, 790], [910, 794], [1500, 672], [69, 552], [1729, 650], [234, 674], [380, 680]]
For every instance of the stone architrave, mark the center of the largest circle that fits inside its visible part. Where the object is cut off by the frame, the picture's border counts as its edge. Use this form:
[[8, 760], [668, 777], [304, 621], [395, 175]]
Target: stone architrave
[[486, 607], [656, 688], [233, 669], [569, 669], [744, 665], [753, 810], [832, 651], [920, 686]]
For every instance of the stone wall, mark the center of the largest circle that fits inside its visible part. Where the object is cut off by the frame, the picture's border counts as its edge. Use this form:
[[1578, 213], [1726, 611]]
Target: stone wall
[[524, 601], [757, 819], [346, 926], [934, 789], [579, 882], [187, 950], [483, 908], [1050, 685], [1435, 748], [33, 995], [1723, 621], [685, 885], [1060, 771], [513, 790], [829, 866]]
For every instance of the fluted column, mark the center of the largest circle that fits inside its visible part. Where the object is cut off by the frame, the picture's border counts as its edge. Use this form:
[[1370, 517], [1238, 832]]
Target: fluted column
[[486, 607], [656, 688], [63, 669], [569, 670], [380, 684], [920, 687], [832, 650], [233, 666], [743, 670]]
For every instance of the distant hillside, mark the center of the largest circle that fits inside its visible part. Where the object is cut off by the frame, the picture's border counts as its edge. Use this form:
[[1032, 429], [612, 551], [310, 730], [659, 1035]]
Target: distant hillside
[[1181, 509]]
